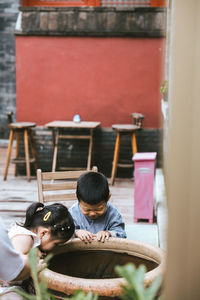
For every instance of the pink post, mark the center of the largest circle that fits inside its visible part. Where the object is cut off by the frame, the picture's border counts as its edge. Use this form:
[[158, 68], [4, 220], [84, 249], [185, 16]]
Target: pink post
[[144, 185]]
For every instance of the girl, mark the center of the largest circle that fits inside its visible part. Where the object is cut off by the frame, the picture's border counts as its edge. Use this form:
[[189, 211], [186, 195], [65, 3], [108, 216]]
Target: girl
[[44, 227]]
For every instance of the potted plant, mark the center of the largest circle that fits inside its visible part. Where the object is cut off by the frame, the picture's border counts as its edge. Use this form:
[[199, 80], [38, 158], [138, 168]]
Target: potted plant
[[164, 89]]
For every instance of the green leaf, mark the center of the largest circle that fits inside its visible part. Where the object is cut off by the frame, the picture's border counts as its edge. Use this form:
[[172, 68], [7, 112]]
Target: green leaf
[[153, 288], [24, 294], [80, 295], [48, 258], [33, 260], [134, 288]]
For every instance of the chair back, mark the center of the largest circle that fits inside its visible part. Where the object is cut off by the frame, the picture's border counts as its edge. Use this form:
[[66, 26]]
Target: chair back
[[58, 186], [137, 119], [10, 117]]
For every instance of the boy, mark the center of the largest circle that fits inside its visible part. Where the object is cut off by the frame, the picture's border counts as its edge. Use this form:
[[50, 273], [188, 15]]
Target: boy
[[93, 215]]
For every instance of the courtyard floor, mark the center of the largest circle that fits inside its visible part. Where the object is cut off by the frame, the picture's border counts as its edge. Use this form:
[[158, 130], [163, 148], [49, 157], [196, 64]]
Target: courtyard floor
[[16, 194]]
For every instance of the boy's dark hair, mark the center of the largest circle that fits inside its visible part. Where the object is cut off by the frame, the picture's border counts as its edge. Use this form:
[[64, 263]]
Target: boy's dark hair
[[56, 216], [92, 188]]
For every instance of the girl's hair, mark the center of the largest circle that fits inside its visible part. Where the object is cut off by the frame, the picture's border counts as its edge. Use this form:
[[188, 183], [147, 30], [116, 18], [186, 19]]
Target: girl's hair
[[56, 216], [92, 188]]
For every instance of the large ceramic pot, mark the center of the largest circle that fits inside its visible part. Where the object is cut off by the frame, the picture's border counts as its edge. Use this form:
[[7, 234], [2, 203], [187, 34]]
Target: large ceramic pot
[[90, 267]]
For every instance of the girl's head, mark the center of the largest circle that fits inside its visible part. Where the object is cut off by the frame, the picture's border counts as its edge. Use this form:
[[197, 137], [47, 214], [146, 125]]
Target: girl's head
[[52, 223]]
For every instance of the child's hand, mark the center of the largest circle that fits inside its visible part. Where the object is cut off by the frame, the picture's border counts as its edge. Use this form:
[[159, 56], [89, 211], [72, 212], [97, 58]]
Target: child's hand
[[102, 236], [41, 265], [41, 254], [85, 235]]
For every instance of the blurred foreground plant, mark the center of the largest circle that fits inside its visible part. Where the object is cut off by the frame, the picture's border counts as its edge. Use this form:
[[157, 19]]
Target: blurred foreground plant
[[164, 89], [135, 289]]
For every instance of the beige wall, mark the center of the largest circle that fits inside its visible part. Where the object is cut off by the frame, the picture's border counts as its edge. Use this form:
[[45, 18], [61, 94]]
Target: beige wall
[[183, 153]]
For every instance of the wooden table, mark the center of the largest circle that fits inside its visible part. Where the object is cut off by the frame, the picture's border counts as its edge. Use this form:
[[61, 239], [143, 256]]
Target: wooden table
[[55, 126]]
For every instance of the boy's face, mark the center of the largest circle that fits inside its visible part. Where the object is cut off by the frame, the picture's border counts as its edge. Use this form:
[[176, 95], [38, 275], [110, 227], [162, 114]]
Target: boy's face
[[93, 211]]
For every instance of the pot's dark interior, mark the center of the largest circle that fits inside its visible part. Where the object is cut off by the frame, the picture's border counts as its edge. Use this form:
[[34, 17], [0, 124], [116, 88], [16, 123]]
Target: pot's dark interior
[[94, 264]]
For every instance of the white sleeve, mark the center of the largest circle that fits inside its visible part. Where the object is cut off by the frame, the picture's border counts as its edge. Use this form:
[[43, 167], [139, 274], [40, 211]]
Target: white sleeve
[[11, 263]]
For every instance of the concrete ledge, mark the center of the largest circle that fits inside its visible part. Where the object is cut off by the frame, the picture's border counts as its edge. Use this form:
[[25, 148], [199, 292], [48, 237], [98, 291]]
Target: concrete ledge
[[4, 143], [147, 233], [92, 21]]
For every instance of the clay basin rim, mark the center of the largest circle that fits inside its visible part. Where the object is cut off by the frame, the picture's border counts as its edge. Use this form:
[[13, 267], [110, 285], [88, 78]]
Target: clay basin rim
[[104, 287]]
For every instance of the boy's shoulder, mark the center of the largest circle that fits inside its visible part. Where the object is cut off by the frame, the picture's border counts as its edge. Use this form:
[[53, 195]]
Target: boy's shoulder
[[112, 208], [74, 207]]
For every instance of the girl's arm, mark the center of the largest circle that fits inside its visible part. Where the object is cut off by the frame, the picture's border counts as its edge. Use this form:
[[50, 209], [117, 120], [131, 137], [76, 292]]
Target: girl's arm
[[22, 243]]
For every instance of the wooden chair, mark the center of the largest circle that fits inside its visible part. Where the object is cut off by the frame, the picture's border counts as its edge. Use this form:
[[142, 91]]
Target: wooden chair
[[59, 185]]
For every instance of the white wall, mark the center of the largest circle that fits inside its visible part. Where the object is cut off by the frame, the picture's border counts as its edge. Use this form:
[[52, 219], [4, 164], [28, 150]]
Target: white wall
[[183, 153]]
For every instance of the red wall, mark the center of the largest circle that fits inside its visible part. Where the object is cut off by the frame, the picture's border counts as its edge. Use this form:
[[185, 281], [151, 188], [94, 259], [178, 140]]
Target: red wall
[[102, 79]]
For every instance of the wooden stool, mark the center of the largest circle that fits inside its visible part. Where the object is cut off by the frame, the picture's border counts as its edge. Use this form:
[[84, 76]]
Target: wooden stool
[[125, 129], [15, 130]]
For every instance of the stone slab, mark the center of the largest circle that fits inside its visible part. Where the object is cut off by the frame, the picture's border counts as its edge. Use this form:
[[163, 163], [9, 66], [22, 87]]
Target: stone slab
[[146, 233]]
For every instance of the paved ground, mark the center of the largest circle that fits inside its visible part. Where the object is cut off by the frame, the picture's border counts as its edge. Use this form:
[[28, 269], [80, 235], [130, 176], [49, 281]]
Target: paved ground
[[16, 194]]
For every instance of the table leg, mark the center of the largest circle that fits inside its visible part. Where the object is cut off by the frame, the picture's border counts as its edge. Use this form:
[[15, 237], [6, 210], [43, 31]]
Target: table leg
[[17, 149], [55, 142], [28, 172], [115, 159], [90, 150], [134, 143], [33, 149], [9, 152]]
